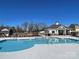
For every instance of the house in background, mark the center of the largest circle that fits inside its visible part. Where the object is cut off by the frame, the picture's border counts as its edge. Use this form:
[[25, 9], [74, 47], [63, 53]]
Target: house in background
[[5, 32], [58, 29], [74, 29]]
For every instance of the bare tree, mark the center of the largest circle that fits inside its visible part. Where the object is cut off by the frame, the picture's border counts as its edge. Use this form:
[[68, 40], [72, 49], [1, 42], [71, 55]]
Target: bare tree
[[30, 27], [19, 29], [33, 27], [39, 26], [25, 26], [42, 26]]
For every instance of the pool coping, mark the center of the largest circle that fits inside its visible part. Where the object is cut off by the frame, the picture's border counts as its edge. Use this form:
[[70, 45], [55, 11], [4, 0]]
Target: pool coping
[[30, 38]]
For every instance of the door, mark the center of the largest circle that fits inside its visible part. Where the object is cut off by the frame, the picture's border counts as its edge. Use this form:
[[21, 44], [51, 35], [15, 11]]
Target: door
[[61, 32]]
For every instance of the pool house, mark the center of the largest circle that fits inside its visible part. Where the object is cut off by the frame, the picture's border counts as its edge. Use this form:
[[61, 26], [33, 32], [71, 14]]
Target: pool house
[[57, 29], [74, 29]]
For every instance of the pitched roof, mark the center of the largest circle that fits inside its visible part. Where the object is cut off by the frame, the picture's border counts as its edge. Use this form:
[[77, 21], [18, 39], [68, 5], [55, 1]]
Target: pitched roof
[[5, 29], [73, 25], [55, 26]]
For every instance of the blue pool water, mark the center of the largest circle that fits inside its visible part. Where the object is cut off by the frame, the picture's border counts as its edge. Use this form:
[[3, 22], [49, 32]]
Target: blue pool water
[[16, 45]]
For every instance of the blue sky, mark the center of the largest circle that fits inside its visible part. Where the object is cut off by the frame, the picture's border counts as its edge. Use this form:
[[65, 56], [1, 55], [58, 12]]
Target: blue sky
[[14, 12]]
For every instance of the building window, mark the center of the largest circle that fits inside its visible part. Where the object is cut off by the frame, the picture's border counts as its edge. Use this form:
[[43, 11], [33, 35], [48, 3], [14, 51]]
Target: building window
[[53, 31]]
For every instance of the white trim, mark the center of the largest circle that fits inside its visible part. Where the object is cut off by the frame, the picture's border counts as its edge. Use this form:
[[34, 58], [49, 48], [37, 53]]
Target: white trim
[[63, 27]]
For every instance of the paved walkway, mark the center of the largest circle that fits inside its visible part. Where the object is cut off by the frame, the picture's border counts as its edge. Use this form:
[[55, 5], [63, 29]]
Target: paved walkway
[[47, 51]]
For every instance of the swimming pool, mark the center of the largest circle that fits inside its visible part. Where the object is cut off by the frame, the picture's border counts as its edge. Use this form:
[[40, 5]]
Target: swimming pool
[[17, 45]]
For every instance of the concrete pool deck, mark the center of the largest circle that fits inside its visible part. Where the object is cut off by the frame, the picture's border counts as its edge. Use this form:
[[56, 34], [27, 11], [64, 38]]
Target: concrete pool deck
[[9, 38], [53, 36], [45, 51], [67, 36]]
